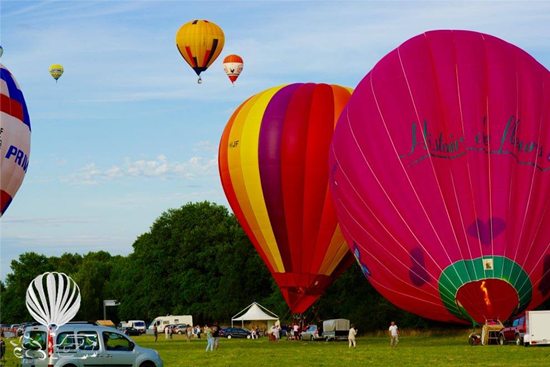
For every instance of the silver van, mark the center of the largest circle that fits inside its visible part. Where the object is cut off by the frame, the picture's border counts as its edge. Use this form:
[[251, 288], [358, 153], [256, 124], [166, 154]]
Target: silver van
[[85, 344]]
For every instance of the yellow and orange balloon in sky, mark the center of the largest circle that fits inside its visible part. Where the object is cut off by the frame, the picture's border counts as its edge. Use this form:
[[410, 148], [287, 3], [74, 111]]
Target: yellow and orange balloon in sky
[[200, 42]]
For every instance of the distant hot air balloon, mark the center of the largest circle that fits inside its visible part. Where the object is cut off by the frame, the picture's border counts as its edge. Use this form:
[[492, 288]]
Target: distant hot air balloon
[[200, 42], [273, 162], [15, 138], [56, 70], [233, 66], [1, 51], [440, 171]]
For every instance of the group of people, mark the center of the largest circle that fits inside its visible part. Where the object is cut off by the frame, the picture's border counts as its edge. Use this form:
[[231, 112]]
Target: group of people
[[190, 332], [393, 330], [213, 334]]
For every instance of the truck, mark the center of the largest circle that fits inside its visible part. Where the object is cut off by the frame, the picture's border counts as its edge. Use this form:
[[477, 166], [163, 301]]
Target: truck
[[139, 325], [537, 328], [162, 321], [333, 329]]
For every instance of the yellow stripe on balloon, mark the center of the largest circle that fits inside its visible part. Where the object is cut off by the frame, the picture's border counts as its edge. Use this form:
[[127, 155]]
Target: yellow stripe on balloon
[[248, 188], [338, 248]]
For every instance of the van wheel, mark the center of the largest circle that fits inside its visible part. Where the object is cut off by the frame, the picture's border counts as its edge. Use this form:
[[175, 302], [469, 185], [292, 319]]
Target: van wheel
[[147, 364], [501, 339], [518, 340]]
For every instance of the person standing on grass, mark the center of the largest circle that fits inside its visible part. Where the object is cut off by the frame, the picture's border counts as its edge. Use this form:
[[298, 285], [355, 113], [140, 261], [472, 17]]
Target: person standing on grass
[[216, 335], [351, 336], [155, 332], [394, 334], [209, 338]]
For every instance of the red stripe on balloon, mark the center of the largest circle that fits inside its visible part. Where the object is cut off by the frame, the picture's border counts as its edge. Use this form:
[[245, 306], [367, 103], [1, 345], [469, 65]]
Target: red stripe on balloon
[[11, 107], [5, 201], [192, 59], [293, 171]]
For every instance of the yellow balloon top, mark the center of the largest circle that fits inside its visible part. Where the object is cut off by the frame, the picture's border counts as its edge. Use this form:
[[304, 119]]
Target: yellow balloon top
[[56, 70], [200, 42]]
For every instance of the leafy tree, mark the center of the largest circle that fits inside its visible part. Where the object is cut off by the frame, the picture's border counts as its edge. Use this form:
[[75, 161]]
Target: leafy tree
[[24, 270], [194, 260]]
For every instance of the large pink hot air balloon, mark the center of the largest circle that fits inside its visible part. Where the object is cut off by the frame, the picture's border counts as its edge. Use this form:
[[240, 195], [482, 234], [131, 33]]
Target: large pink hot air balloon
[[440, 170]]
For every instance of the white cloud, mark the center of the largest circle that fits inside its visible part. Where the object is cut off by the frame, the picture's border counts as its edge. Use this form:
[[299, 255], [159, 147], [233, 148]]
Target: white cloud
[[158, 167]]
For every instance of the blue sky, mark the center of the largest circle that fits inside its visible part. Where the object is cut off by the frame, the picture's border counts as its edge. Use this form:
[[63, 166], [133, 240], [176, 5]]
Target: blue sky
[[127, 133]]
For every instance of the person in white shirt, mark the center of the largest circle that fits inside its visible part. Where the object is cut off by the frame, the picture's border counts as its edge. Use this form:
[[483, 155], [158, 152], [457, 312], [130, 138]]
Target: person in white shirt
[[351, 336], [394, 334]]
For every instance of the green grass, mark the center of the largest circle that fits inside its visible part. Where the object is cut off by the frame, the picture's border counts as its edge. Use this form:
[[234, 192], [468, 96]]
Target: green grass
[[413, 350]]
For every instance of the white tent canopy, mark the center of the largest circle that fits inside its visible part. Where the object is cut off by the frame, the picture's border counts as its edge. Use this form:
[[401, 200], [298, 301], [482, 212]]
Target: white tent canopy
[[255, 312]]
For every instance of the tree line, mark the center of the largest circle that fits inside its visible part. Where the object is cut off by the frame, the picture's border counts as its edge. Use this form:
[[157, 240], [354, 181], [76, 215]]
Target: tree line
[[194, 260]]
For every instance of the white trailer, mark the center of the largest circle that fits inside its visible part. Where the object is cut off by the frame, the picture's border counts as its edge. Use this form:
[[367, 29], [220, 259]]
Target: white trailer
[[537, 328], [336, 329], [162, 321]]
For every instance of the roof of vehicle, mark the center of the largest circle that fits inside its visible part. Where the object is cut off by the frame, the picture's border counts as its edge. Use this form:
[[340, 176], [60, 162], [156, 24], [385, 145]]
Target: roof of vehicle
[[105, 323], [75, 326]]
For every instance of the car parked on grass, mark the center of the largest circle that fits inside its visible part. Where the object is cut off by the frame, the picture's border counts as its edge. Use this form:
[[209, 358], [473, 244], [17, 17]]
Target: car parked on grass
[[513, 333], [234, 332], [180, 329], [129, 330], [312, 332], [85, 344]]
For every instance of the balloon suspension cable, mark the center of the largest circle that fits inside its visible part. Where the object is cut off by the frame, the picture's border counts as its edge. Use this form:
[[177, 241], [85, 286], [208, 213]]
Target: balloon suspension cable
[[199, 81]]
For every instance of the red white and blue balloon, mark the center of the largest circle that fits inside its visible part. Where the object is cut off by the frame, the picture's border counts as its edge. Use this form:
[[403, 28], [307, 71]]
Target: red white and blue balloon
[[15, 138]]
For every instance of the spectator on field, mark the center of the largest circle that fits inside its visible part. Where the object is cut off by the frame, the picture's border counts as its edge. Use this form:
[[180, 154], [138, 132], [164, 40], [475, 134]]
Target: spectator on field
[[216, 335], [394, 334], [209, 338], [351, 336]]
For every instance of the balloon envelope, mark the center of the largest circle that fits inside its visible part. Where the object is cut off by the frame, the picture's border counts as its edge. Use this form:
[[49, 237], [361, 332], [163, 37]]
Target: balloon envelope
[[15, 138], [440, 170], [200, 42], [56, 70], [273, 165], [233, 66], [53, 299]]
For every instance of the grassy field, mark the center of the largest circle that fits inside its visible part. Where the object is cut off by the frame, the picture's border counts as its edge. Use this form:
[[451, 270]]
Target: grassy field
[[413, 350]]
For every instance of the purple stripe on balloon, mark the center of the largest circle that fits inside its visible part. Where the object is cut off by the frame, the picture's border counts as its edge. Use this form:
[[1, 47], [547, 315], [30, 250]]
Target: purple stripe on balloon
[[269, 160]]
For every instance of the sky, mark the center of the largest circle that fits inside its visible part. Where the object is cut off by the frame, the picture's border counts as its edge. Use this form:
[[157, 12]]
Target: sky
[[127, 133]]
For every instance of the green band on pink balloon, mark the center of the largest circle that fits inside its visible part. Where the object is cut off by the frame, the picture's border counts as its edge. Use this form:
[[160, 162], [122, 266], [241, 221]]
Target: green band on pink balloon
[[489, 267]]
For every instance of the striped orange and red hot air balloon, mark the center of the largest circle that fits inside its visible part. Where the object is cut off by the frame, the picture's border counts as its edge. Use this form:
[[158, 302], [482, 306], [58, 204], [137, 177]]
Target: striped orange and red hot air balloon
[[273, 162]]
